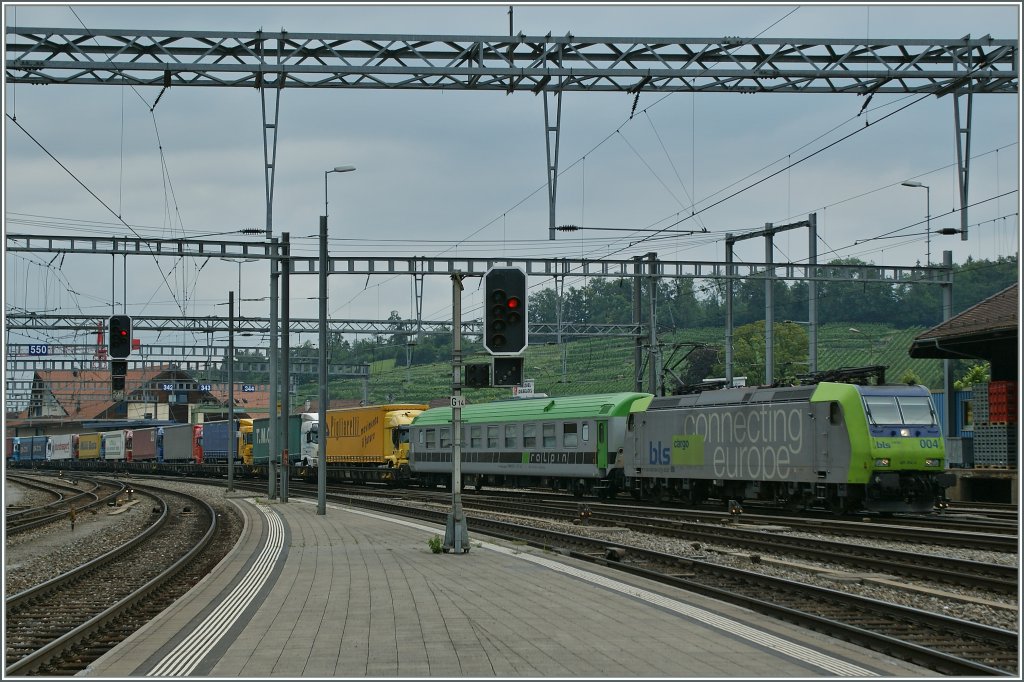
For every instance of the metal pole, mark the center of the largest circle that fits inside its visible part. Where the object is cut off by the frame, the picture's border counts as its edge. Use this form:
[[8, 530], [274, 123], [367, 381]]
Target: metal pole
[[638, 341], [928, 223], [232, 434], [728, 309], [321, 429], [652, 331], [285, 351], [275, 379], [456, 535], [947, 364], [769, 308], [812, 295]]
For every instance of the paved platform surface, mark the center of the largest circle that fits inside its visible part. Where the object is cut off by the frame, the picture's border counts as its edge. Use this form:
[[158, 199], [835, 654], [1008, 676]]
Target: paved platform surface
[[360, 594]]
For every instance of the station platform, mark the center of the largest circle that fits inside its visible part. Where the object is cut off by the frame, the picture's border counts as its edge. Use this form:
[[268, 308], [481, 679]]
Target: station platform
[[360, 594]]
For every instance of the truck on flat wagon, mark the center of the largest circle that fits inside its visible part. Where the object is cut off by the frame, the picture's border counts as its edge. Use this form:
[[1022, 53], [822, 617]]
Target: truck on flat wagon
[[144, 444], [63, 447], [178, 443], [89, 446], [215, 441], [369, 443], [295, 445]]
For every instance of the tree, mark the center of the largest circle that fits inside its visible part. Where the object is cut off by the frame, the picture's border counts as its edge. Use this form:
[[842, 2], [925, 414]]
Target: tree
[[749, 352], [910, 378], [977, 373]]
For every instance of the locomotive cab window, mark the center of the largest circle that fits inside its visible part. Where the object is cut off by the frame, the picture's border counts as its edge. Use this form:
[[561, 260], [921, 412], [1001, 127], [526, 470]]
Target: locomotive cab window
[[882, 409], [916, 410]]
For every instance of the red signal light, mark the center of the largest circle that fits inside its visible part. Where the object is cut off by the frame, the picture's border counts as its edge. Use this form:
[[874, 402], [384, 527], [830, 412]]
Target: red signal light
[[513, 303]]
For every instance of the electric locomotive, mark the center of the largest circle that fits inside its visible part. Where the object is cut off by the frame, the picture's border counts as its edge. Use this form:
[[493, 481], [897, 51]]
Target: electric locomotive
[[847, 446]]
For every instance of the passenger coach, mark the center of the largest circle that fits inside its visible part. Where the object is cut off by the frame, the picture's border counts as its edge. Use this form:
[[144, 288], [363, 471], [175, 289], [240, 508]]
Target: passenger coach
[[567, 443]]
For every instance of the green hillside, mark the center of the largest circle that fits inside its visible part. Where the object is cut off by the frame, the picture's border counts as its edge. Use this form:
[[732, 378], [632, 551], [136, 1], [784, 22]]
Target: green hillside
[[606, 364]]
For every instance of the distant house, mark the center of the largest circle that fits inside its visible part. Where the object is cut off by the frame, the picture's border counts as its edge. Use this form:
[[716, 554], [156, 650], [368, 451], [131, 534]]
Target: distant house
[[64, 400]]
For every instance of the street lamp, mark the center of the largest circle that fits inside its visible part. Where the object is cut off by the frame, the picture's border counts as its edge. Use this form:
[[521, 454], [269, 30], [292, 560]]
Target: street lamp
[[321, 429], [928, 215], [336, 169], [239, 261]]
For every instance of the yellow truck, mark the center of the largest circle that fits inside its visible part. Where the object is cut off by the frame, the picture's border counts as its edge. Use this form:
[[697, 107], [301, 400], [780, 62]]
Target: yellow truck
[[369, 443]]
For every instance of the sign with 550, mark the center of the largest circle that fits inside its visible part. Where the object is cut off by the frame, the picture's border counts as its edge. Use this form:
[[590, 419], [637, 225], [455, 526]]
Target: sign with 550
[[39, 349]]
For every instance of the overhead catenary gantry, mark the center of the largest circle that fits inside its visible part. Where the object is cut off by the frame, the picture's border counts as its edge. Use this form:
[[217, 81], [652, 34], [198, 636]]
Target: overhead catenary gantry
[[548, 65]]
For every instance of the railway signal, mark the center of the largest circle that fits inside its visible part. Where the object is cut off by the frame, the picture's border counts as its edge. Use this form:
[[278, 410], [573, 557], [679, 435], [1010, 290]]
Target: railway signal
[[478, 376], [508, 371], [505, 317], [120, 336]]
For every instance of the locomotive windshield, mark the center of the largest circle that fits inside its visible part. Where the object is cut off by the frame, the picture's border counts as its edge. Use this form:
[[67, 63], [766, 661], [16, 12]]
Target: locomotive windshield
[[890, 409]]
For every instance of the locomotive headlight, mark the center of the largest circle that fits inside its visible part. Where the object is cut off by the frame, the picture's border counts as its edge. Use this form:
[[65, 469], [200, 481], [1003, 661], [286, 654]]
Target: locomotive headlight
[[905, 432], [932, 462], [884, 462]]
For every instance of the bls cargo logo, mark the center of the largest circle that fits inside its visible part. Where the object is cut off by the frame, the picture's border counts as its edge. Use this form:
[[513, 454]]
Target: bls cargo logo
[[684, 451]]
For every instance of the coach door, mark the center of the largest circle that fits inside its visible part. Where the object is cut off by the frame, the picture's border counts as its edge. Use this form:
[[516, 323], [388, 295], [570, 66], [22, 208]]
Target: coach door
[[603, 459]]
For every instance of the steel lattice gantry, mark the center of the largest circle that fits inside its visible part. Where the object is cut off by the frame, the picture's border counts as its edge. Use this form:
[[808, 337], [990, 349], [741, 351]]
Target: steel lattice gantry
[[507, 63], [548, 65]]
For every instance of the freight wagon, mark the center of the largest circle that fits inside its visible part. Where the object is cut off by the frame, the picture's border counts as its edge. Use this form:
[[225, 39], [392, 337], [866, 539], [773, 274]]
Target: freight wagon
[[297, 427], [112, 445], [38, 449], [89, 446], [12, 448], [64, 447], [368, 443], [144, 444], [215, 441], [180, 443]]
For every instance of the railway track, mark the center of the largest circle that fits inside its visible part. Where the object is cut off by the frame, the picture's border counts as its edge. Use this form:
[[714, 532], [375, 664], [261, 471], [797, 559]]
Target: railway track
[[996, 578], [72, 496], [62, 625]]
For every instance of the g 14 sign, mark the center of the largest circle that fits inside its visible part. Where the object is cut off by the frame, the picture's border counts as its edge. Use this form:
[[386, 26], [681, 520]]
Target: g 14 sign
[[39, 349]]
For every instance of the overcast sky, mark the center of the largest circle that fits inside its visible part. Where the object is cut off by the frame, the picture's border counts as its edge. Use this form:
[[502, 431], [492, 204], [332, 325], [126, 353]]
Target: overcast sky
[[464, 172]]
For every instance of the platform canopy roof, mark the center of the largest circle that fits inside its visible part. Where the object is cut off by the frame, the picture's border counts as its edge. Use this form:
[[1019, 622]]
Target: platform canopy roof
[[989, 330]]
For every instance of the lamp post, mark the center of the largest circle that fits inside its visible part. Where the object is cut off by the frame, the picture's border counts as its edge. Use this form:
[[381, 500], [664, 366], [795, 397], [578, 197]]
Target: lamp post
[[928, 216], [321, 429], [239, 261]]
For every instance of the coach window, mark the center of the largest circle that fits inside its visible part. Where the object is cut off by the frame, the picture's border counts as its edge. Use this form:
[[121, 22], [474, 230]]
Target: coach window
[[476, 436], [549, 435], [492, 436], [586, 433], [529, 435], [445, 437], [570, 438], [511, 436], [431, 439]]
